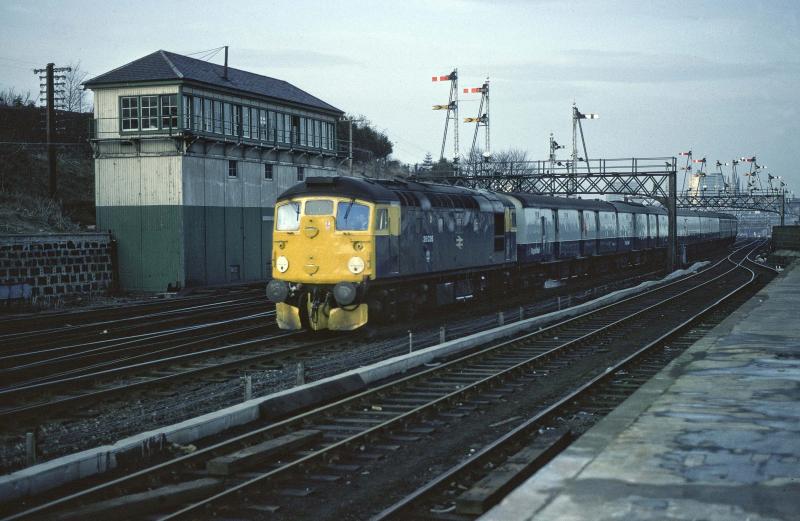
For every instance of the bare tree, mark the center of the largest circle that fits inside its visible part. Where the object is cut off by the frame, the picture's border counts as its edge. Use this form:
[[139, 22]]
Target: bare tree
[[11, 98], [75, 98]]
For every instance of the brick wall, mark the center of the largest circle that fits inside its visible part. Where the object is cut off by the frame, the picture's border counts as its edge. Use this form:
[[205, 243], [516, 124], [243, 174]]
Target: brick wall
[[46, 270]]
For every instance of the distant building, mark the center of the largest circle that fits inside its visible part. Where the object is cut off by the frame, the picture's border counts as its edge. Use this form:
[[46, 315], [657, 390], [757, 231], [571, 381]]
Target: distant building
[[707, 183], [189, 158]]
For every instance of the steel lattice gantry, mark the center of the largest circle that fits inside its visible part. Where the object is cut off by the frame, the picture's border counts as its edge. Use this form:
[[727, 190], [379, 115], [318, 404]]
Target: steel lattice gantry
[[647, 178], [773, 201]]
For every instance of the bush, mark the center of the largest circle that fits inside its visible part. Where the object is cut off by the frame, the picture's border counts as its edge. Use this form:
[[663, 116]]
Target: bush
[[26, 213]]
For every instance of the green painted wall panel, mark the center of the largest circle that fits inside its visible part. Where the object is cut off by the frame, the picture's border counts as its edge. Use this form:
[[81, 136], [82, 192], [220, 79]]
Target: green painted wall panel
[[194, 241], [267, 223], [124, 222], [215, 245], [234, 243], [252, 246], [150, 245], [159, 246]]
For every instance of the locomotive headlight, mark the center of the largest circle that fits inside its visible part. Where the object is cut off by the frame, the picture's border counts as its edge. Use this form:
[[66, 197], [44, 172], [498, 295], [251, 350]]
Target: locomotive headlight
[[282, 263], [355, 265]]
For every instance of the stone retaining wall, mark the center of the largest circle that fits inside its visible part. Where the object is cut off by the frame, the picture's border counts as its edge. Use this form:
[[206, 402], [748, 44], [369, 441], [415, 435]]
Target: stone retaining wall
[[45, 270]]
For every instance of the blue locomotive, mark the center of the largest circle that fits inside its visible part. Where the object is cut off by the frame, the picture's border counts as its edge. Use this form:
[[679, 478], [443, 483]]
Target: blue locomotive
[[345, 249]]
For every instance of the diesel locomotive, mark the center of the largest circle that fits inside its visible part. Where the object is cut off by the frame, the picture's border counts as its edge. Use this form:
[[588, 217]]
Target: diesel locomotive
[[345, 249]]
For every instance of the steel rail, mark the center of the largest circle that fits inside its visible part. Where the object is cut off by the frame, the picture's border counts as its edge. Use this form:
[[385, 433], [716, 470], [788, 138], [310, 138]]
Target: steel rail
[[406, 417], [286, 423], [37, 408], [14, 390], [76, 327], [550, 412], [130, 343], [110, 363]]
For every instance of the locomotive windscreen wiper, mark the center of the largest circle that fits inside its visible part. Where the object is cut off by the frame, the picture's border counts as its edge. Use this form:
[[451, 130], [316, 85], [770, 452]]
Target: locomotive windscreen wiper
[[349, 206]]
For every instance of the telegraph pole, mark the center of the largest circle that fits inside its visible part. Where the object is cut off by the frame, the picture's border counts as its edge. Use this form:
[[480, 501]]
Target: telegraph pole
[[51, 131], [48, 74]]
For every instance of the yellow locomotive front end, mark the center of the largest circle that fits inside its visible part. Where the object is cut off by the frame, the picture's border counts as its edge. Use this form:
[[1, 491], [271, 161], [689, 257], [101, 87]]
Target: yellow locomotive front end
[[323, 255]]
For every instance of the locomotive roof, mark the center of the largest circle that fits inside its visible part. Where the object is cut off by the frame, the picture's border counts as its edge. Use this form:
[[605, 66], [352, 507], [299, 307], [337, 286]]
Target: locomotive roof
[[342, 187], [388, 191]]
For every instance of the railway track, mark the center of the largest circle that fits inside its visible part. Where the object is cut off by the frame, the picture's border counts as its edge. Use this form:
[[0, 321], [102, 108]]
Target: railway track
[[34, 380], [273, 464], [470, 488], [30, 324], [38, 341], [81, 406]]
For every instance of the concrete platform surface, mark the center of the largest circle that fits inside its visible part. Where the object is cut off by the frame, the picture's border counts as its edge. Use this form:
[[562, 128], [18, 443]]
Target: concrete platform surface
[[714, 436]]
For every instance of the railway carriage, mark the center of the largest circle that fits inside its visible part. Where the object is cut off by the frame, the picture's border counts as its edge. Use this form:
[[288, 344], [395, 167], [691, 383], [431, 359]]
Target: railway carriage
[[347, 248]]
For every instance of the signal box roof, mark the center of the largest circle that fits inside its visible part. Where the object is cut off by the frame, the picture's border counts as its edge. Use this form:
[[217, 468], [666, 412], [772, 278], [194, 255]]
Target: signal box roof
[[164, 66]]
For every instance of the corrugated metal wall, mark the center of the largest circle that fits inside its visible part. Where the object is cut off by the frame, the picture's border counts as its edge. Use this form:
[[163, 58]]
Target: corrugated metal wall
[[180, 220], [106, 105], [228, 220], [139, 200]]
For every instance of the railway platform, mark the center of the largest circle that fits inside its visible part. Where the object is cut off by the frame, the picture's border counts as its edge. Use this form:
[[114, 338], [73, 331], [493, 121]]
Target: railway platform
[[714, 436]]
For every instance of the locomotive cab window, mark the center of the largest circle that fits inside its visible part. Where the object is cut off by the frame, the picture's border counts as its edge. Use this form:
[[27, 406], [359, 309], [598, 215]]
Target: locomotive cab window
[[352, 216], [288, 217], [320, 207], [382, 220]]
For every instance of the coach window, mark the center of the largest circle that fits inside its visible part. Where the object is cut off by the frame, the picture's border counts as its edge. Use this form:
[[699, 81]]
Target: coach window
[[351, 216], [288, 217]]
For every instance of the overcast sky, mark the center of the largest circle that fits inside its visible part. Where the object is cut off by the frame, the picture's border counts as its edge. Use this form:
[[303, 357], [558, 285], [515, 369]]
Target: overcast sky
[[719, 77]]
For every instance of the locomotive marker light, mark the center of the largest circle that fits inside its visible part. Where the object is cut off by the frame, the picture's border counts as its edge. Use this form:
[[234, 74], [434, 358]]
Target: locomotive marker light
[[355, 265]]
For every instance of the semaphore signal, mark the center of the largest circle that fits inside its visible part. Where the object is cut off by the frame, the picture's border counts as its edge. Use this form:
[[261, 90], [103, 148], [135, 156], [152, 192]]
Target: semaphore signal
[[452, 112]]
